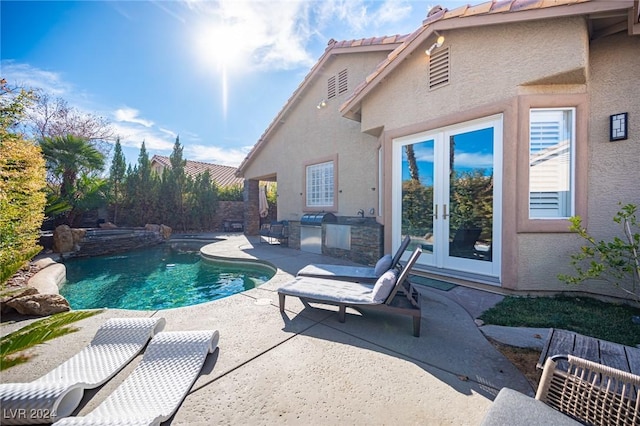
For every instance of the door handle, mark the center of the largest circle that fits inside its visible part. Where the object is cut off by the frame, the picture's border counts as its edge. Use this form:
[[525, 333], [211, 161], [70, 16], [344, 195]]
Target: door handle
[[435, 212], [444, 211]]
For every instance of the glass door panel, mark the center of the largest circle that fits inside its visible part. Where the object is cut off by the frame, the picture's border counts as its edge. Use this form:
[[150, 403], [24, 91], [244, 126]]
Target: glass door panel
[[471, 194], [445, 197], [417, 205]]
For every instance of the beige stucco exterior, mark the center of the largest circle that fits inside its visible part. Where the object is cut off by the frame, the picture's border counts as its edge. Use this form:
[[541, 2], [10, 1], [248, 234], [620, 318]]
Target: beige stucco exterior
[[308, 135], [497, 67]]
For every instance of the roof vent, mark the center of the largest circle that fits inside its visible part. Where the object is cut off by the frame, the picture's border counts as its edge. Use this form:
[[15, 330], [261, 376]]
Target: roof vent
[[342, 81], [331, 87], [439, 69]]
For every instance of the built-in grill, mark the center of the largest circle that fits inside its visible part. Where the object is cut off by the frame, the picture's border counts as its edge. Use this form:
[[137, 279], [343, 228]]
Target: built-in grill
[[317, 219], [311, 230]]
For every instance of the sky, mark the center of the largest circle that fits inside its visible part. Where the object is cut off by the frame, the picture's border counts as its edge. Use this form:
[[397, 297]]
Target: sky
[[214, 73]]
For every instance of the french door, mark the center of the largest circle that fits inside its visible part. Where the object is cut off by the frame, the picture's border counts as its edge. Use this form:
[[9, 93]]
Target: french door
[[447, 196]]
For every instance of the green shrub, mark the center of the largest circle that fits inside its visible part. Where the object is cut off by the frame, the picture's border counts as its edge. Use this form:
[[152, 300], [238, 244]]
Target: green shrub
[[231, 193], [22, 201], [616, 261]]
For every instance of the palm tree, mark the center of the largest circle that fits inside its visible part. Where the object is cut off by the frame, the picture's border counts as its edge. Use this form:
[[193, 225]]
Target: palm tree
[[67, 158]]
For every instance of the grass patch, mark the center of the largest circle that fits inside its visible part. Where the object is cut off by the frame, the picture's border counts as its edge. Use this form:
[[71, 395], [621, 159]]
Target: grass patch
[[37, 332], [582, 315]]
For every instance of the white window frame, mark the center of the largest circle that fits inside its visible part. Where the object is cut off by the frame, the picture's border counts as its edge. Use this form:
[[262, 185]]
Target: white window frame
[[555, 162], [320, 185]]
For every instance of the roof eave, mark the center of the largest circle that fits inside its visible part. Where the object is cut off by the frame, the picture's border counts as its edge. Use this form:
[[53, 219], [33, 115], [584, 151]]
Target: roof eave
[[351, 109], [328, 54]]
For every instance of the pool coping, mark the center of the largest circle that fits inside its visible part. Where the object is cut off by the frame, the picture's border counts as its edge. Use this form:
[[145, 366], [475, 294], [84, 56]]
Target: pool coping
[[304, 366]]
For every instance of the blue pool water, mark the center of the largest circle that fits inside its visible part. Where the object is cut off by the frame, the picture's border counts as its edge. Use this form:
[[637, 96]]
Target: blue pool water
[[161, 277]]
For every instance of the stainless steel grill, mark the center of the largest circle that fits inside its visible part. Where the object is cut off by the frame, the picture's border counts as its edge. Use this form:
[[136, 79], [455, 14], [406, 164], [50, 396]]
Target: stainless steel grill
[[311, 230]]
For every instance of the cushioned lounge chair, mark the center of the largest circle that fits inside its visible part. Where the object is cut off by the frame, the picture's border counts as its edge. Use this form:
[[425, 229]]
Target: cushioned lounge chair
[[364, 274], [58, 393], [384, 295], [157, 386]]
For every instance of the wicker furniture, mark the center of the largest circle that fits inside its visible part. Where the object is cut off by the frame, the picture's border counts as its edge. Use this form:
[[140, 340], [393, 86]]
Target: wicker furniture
[[572, 390], [590, 392]]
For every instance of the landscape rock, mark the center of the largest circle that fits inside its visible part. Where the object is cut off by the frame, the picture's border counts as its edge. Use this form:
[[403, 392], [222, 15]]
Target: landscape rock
[[10, 295], [39, 304], [78, 235], [62, 239], [165, 231], [152, 227], [108, 225]]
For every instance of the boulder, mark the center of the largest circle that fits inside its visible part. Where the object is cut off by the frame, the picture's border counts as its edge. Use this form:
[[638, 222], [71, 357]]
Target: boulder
[[39, 304], [62, 239], [108, 225], [78, 235], [152, 227], [165, 231], [9, 295]]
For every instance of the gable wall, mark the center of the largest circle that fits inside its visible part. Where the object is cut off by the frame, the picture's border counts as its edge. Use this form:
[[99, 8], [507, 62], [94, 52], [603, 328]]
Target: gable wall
[[488, 76], [487, 64], [309, 134]]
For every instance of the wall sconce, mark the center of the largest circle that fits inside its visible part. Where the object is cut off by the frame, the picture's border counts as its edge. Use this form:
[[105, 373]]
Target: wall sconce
[[618, 126], [437, 44], [322, 104]]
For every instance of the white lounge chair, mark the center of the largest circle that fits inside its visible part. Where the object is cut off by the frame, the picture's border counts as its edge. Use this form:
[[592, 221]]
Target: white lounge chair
[[156, 387], [381, 296], [364, 274], [58, 393]]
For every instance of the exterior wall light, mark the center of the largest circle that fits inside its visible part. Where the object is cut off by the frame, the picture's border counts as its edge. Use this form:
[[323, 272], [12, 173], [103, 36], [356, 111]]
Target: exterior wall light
[[322, 104], [618, 126], [435, 45]]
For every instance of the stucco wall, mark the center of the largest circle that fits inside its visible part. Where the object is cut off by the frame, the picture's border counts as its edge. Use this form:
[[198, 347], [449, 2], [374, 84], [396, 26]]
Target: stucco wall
[[614, 167], [487, 64], [494, 69], [308, 133]]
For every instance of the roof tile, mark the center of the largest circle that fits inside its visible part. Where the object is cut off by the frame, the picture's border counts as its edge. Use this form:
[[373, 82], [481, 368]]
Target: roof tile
[[501, 6], [221, 175], [519, 5], [458, 11], [479, 9]]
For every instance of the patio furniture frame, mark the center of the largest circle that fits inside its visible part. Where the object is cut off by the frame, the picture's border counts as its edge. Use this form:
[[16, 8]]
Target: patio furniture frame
[[403, 298], [364, 274], [590, 392]]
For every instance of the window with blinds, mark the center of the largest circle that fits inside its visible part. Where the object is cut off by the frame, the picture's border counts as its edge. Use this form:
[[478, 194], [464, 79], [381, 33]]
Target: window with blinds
[[551, 147], [320, 185]]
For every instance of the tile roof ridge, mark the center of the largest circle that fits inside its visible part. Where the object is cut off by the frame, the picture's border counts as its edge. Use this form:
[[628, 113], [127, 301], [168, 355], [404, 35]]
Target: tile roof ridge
[[168, 159], [211, 164], [366, 41]]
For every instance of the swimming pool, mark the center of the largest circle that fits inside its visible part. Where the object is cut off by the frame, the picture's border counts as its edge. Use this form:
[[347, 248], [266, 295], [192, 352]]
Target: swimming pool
[[161, 277]]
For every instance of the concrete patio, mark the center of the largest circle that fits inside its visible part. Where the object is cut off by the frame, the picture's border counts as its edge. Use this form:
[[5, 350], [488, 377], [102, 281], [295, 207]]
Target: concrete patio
[[304, 367]]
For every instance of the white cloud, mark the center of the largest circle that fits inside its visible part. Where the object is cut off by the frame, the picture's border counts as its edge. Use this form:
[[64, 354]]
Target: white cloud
[[133, 136], [241, 35], [216, 155], [28, 77], [361, 18], [474, 159], [130, 115]]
